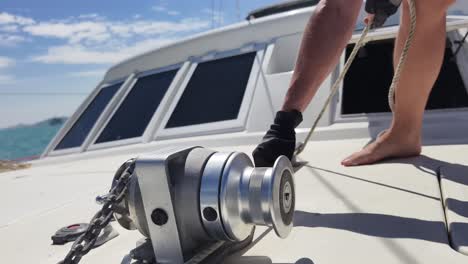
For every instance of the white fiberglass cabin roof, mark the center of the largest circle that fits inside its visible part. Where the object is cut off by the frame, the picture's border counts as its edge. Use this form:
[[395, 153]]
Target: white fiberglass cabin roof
[[399, 211]]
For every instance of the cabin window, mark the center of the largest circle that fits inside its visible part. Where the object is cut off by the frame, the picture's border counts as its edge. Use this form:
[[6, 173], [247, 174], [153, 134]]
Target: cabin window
[[135, 112], [214, 92], [365, 88], [79, 131]]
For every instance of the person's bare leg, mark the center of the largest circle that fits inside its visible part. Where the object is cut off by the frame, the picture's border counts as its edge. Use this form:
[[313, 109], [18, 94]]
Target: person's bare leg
[[403, 138], [325, 38]]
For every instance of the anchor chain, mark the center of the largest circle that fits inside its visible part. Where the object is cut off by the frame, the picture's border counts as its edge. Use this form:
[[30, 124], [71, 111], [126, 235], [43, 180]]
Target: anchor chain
[[101, 219]]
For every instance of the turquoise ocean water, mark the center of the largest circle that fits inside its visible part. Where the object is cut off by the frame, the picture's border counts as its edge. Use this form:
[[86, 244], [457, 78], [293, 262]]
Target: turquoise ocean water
[[29, 140]]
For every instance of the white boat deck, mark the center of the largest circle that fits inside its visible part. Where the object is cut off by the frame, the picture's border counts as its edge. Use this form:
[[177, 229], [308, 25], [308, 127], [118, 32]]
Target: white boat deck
[[386, 213]]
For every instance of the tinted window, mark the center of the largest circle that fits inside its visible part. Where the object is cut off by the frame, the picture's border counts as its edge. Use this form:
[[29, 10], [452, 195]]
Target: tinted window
[[214, 93], [136, 111], [365, 89], [77, 134]]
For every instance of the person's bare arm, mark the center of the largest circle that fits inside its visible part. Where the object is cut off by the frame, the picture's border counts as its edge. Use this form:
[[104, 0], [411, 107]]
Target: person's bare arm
[[324, 40]]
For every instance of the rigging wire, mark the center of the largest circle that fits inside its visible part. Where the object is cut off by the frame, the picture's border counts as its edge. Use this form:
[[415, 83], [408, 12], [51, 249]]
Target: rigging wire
[[212, 14], [238, 10], [219, 15]]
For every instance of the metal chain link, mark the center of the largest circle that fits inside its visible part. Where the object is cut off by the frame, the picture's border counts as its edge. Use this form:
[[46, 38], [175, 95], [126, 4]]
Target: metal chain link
[[101, 219]]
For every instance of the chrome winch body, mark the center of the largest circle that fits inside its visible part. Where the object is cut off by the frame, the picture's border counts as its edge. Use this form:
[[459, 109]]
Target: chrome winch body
[[188, 200]]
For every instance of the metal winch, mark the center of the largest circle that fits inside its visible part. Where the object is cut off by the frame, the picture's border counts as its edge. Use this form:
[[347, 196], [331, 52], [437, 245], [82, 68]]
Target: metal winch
[[188, 200]]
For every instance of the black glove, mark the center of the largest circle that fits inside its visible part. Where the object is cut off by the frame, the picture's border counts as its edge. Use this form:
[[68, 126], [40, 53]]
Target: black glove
[[382, 9], [279, 140]]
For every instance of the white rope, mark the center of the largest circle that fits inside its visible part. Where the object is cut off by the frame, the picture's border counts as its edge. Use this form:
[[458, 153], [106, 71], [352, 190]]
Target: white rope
[[359, 44], [404, 55]]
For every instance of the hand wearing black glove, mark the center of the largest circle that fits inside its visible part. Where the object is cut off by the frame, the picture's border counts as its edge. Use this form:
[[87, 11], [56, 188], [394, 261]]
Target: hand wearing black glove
[[381, 9], [279, 140]]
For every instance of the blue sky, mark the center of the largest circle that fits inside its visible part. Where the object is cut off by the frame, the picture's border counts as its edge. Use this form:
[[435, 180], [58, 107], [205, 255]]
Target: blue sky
[[53, 53]]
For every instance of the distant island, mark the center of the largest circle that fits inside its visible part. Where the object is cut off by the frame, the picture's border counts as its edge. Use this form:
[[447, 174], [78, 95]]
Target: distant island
[[53, 121], [56, 121], [25, 142]]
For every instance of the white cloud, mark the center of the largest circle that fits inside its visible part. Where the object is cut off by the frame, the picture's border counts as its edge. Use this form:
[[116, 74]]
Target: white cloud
[[94, 39], [78, 54], [100, 31], [9, 28], [165, 10], [6, 18], [92, 73], [75, 54], [11, 40], [6, 62], [107, 42], [149, 28], [73, 32]]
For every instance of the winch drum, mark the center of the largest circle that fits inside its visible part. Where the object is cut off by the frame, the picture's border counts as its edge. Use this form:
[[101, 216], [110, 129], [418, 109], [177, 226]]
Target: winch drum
[[186, 200]]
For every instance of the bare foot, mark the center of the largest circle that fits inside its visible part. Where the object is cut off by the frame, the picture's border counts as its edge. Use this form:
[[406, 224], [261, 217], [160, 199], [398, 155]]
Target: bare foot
[[386, 146]]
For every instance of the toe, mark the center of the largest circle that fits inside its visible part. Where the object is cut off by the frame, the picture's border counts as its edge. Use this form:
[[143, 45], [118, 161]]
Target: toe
[[363, 157], [348, 161], [354, 160]]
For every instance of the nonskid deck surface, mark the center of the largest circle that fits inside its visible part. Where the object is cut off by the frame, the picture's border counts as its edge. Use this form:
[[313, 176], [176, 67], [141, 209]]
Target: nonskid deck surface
[[387, 213]]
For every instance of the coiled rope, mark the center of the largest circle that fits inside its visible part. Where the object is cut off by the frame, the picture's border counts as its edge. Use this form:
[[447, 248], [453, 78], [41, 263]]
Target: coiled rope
[[359, 44]]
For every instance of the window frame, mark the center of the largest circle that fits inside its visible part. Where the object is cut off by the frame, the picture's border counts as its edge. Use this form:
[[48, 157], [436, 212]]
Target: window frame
[[50, 150], [157, 115], [383, 34], [226, 126]]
